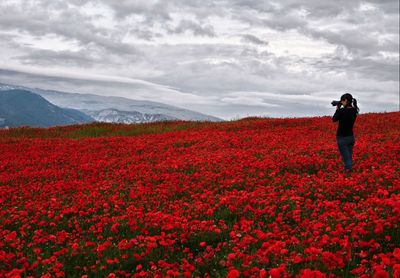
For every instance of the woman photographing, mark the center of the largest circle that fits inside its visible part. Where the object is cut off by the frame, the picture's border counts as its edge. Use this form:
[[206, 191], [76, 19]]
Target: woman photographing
[[346, 114]]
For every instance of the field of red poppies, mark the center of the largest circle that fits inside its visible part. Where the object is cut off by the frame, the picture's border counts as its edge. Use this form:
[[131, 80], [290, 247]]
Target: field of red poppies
[[247, 198]]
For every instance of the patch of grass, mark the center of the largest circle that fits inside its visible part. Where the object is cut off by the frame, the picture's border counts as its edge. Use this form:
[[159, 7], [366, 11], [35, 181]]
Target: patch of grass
[[94, 130]]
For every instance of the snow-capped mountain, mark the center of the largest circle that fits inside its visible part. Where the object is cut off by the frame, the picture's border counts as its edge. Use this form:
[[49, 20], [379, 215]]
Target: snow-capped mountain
[[116, 109], [116, 116]]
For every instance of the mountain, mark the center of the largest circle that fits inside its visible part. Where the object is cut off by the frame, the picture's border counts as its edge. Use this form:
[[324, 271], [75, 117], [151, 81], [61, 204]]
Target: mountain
[[116, 116], [117, 109], [24, 108]]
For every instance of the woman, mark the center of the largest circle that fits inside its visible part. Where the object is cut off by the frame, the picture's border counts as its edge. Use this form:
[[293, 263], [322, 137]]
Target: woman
[[346, 116]]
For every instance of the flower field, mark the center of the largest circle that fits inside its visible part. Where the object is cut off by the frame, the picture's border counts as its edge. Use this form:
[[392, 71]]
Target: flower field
[[247, 198]]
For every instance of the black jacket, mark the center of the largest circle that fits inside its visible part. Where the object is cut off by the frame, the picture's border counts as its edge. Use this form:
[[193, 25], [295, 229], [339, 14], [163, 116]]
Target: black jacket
[[346, 117]]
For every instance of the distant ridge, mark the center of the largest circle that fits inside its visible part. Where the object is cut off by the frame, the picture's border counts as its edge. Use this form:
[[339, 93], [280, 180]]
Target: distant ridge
[[24, 108], [117, 109]]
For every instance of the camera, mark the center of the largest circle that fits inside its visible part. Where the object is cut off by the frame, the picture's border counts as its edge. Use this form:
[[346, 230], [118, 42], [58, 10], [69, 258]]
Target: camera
[[335, 102]]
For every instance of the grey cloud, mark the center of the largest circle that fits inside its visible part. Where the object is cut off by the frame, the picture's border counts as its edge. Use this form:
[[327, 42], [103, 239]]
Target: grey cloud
[[284, 15], [359, 35], [195, 28], [244, 68], [353, 40], [248, 75], [161, 10], [249, 8], [65, 58], [377, 69], [279, 20], [8, 39], [359, 63], [233, 71], [151, 10], [144, 33], [161, 13], [253, 39], [69, 24], [388, 6], [328, 9]]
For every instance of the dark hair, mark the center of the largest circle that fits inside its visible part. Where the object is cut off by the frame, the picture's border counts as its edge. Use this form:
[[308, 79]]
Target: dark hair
[[350, 100]]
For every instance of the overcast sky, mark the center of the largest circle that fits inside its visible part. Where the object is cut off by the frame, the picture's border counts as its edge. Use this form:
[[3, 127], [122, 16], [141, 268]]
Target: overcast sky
[[226, 58]]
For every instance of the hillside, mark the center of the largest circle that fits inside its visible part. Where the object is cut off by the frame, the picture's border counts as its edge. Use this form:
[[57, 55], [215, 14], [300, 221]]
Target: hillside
[[24, 108], [248, 198]]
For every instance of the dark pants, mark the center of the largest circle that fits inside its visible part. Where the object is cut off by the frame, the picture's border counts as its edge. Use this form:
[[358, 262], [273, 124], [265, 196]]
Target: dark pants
[[346, 144]]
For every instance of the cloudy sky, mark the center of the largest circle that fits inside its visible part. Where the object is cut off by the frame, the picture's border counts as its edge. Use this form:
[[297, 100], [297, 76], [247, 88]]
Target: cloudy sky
[[226, 58]]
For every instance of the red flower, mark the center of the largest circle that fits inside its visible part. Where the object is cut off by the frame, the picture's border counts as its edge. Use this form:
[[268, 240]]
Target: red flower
[[241, 195], [381, 274], [396, 253], [277, 272], [233, 273], [308, 273], [10, 237]]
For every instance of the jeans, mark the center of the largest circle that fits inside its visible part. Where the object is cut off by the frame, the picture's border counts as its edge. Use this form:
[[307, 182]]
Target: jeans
[[346, 144]]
